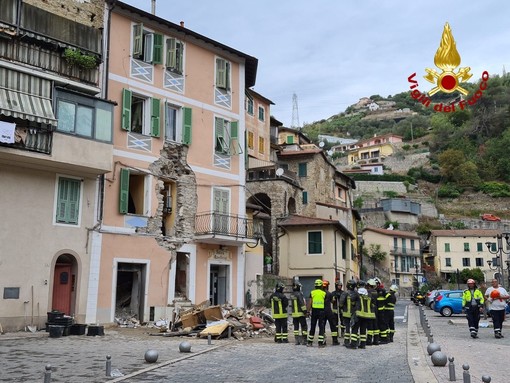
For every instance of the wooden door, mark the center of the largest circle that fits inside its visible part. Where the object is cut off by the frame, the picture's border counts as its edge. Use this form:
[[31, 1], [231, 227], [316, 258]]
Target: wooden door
[[62, 288]]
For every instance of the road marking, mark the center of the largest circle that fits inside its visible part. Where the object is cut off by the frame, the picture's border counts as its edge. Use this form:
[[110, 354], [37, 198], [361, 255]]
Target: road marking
[[405, 315]]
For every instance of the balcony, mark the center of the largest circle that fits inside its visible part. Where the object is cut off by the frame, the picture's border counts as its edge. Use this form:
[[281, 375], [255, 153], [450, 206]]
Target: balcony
[[404, 251], [67, 154], [269, 174], [226, 229]]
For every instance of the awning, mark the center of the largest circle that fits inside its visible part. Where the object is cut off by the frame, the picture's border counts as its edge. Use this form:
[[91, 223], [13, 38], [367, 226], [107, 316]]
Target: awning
[[254, 163], [26, 97]]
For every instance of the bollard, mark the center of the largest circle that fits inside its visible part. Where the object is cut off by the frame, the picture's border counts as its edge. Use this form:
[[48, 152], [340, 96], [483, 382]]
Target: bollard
[[229, 331], [486, 379], [427, 331], [108, 365], [209, 339], [431, 338], [466, 378], [47, 374], [451, 369]]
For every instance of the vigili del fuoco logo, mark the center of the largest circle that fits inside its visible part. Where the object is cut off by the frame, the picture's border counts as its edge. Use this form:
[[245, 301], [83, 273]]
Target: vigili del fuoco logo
[[447, 59]]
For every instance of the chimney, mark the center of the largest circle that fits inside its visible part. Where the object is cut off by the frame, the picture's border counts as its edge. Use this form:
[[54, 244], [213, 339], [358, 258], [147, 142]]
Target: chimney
[[182, 24], [153, 10]]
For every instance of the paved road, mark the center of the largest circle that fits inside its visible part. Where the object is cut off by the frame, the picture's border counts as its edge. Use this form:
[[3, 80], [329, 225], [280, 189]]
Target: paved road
[[82, 359]]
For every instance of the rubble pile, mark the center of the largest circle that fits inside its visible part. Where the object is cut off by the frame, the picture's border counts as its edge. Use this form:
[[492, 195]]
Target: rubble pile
[[218, 321]]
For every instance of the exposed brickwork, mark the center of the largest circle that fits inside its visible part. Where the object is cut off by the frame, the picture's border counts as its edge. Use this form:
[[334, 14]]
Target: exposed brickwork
[[87, 12]]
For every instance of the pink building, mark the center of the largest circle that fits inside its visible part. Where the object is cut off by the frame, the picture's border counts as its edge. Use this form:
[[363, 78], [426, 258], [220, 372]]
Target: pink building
[[174, 221]]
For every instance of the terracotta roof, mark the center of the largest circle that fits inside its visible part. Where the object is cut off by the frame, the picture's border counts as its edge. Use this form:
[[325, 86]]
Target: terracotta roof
[[393, 233], [465, 233], [299, 220]]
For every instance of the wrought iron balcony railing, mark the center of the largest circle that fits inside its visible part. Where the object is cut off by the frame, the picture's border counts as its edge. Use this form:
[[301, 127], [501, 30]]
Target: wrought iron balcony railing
[[214, 224], [404, 251]]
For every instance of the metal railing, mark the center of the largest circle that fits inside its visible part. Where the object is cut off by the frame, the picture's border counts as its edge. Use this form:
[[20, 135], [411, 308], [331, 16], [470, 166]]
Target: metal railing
[[230, 225]]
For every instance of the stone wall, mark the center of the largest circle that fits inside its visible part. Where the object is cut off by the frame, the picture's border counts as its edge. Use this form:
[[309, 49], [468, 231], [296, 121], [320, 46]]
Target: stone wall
[[87, 12], [403, 162]]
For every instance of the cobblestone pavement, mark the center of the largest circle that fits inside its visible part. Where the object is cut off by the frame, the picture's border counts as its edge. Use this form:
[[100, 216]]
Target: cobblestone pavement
[[485, 355], [81, 359]]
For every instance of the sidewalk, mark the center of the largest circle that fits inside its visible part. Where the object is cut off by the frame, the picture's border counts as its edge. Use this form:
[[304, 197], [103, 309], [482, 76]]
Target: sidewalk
[[485, 355]]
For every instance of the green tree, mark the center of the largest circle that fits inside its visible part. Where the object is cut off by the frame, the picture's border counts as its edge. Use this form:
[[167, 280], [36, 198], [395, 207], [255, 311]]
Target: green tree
[[466, 175], [475, 274], [374, 254], [449, 161]]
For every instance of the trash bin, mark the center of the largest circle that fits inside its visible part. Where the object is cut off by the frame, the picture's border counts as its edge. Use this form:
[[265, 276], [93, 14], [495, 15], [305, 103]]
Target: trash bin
[[78, 329], [56, 331]]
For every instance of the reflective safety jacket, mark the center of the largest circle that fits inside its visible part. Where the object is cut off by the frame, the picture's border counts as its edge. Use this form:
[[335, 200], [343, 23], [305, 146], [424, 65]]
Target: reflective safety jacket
[[349, 303], [297, 301], [279, 303], [318, 297], [381, 299], [391, 299], [470, 298], [367, 307], [336, 298]]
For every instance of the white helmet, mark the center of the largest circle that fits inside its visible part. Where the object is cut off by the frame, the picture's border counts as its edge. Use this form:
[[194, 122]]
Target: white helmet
[[362, 291], [371, 282], [394, 288]]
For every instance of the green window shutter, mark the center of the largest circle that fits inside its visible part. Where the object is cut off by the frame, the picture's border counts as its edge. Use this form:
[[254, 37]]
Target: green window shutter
[[171, 53], [186, 129], [157, 55], [137, 39], [290, 139], [314, 242], [235, 148], [220, 73], [302, 169], [227, 75], [219, 135], [155, 117], [126, 109], [124, 191], [68, 203], [305, 198]]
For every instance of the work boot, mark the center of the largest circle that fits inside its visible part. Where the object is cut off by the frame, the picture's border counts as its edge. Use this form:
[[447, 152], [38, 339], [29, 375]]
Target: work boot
[[362, 345], [285, 340], [322, 344], [390, 338], [309, 344], [376, 340], [335, 341], [297, 339]]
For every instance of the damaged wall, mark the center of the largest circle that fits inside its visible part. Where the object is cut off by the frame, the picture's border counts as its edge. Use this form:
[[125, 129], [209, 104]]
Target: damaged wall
[[173, 165]]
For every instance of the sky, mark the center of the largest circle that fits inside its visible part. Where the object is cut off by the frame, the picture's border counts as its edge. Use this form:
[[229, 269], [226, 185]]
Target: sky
[[330, 53]]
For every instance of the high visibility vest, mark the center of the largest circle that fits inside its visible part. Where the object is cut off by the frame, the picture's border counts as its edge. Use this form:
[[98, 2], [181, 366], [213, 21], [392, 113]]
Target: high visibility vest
[[277, 308], [297, 309], [366, 308], [346, 310], [318, 296], [390, 301]]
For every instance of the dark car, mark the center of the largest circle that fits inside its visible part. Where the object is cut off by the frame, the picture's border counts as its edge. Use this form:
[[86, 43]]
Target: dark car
[[449, 302], [418, 298]]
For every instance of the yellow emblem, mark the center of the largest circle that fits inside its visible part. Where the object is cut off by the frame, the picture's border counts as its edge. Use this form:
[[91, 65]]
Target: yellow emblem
[[447, 59]]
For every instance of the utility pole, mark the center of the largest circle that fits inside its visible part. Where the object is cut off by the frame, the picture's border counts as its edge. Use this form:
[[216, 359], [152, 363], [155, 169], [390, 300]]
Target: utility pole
[[295, 112]]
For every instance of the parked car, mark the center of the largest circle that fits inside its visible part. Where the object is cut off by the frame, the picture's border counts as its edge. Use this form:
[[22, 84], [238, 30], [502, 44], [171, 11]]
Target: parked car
[[431, 295], [490, 217], [449, 302]]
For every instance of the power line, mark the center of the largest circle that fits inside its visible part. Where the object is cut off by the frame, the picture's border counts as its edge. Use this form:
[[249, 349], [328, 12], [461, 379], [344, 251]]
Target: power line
[[295, 113]]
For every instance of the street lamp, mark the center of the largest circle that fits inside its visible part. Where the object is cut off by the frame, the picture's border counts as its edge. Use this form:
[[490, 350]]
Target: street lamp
[[416, 268], [499, 251]]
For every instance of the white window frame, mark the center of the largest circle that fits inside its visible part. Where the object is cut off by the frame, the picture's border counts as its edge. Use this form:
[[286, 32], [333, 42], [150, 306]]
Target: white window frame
[[178, 122], [146, 120]]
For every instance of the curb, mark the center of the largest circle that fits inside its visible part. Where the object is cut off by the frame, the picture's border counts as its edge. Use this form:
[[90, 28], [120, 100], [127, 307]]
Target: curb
[[416, 356]]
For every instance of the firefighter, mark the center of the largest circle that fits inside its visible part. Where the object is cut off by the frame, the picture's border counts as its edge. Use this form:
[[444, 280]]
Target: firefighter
[[381, 316], [279, 303], [365, 313], [316, 307], [472, 303], [336, 298], [347, 305], [389, 308], [372, 327], [330, 317], [299, 314]]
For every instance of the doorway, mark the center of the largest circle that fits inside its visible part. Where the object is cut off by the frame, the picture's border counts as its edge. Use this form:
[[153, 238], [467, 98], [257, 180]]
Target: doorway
[[219, 284], [130, 291], [64, 284], [182, 275]]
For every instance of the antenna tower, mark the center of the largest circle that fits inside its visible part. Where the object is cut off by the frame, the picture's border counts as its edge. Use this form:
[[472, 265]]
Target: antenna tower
[[295, 113]]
